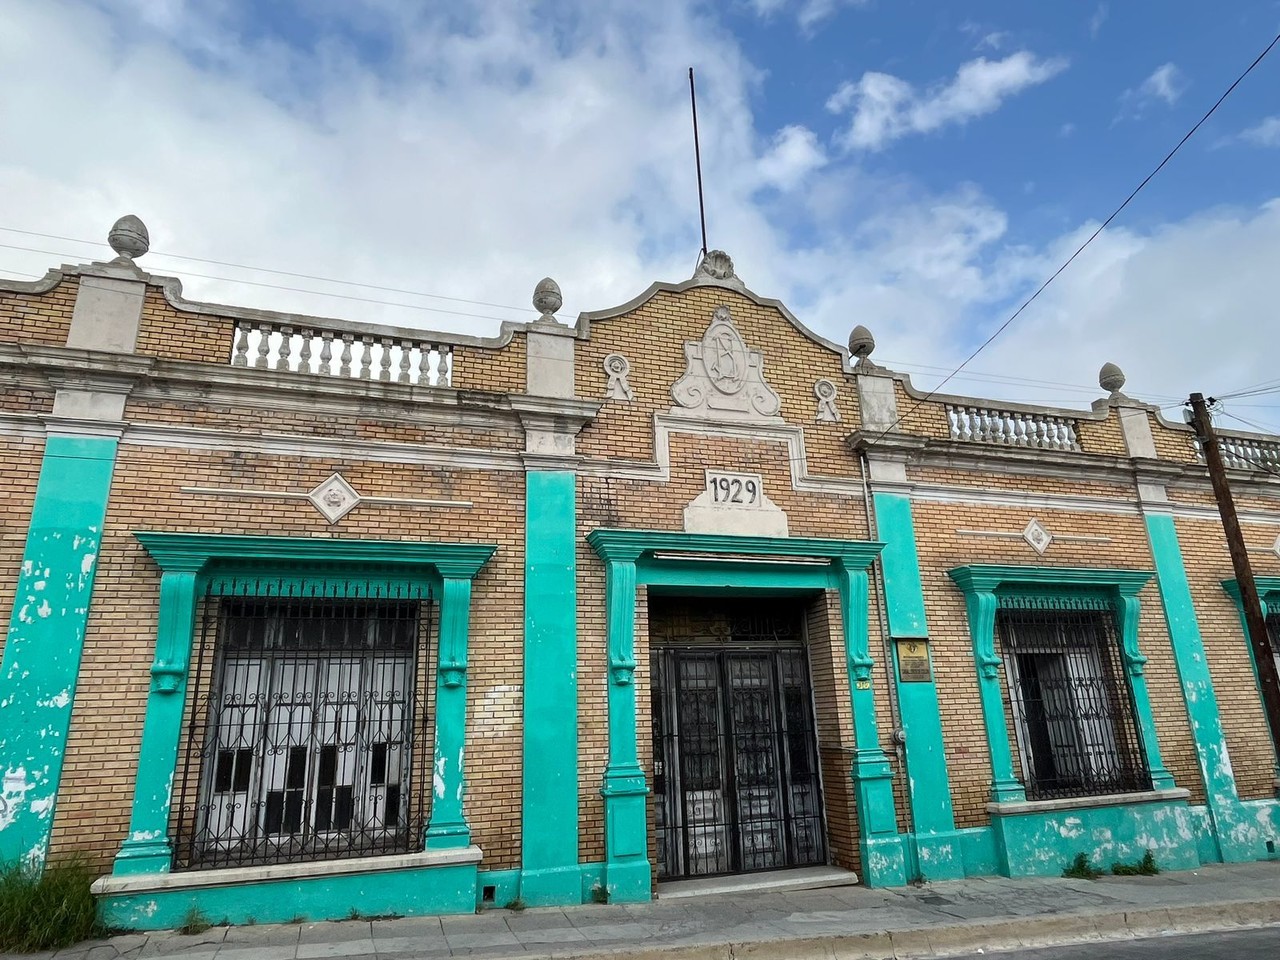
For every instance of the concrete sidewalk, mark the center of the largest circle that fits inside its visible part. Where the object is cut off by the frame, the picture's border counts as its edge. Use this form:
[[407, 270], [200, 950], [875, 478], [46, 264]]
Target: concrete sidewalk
[[837, 923]]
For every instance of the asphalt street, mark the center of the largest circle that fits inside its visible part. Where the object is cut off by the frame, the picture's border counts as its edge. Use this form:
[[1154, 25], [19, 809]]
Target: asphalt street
[[1260, 944]]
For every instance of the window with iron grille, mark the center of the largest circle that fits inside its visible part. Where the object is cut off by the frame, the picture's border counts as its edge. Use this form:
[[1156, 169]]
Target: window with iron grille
[[1070, 698], [1272, 609], [309, 729]]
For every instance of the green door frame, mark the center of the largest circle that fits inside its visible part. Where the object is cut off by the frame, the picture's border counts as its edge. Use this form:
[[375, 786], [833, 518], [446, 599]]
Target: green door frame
[[710, 564], [186, 560]]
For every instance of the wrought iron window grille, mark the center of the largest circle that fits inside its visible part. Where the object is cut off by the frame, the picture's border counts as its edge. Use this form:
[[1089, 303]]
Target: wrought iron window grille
[[308, 730], [1069, 696]]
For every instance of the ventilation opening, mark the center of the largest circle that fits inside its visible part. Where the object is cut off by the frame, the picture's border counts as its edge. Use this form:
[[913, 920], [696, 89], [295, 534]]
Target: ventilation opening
[[488, 894]]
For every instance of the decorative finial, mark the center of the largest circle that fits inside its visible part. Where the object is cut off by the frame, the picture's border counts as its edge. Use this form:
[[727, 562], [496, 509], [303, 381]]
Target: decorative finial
[[129, 238], [717, 265], [546, 298], [861, 342], [1111, 378]]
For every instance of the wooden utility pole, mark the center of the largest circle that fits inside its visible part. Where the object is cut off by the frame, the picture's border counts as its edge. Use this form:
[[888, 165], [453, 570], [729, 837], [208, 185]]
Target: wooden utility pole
[[1255, 619]]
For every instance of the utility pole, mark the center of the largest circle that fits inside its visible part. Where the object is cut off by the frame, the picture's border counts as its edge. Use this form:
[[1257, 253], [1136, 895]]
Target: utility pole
[[1259, 640]]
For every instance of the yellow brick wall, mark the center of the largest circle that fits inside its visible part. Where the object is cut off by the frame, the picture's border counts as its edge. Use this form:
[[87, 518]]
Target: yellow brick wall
[[941, 548], [500, 371], [1204, 553], [43, 318], [257, 421], [94, 804], [174, 334], [21, 472]]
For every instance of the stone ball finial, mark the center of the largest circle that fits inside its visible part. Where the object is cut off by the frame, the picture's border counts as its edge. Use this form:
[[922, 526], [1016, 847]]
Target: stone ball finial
[[1110, 378], [129, 238], [546, 297], [861, 342]]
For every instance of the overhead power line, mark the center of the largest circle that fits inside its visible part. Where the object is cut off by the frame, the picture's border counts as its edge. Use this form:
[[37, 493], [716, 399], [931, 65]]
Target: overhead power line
[[245, 266], [316, 293], [1093, 236]]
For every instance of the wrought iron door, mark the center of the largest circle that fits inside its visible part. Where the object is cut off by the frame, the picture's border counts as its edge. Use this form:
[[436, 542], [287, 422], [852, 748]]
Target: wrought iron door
[[735, 762]]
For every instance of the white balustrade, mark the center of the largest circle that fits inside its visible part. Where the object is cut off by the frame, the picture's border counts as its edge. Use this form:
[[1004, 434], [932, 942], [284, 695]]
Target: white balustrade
[[1012, 428], [358, 356], [1247, 453]]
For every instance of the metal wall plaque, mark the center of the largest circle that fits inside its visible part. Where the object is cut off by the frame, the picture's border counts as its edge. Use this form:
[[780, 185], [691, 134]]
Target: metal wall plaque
[[913, 661]]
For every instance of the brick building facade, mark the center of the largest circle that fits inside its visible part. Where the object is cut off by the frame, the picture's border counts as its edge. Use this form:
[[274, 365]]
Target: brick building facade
[[310, 616]]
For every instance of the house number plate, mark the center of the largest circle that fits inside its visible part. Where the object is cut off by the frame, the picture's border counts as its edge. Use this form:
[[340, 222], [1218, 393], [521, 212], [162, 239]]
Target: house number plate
[[735, 489]]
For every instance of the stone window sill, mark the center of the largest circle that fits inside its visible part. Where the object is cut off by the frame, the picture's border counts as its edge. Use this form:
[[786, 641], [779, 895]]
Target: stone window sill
[[1013, 808], [200, 879]]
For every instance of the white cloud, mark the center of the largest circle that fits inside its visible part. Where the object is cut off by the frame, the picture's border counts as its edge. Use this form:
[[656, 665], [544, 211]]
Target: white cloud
[[1264, 134], [1165, 83], [886, 108], [792, 156], [1098, 19], [473, 158], [808, 13]]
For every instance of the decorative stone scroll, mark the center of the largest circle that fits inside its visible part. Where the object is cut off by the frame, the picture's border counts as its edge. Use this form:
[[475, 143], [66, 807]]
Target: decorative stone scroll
[[825, 391], [724, 377], [617, 368]]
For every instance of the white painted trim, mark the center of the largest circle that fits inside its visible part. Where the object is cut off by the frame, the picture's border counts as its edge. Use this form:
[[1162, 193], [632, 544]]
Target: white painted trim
[[199, 879], [1016, 807]]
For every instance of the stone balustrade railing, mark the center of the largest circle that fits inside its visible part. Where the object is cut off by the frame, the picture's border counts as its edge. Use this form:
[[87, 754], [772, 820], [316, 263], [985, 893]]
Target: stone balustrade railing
[[1247, 453], [375, 353], [1038, 430]]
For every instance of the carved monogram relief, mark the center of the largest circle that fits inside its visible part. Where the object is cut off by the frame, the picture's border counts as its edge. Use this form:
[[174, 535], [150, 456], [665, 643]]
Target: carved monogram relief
[[723, 375]]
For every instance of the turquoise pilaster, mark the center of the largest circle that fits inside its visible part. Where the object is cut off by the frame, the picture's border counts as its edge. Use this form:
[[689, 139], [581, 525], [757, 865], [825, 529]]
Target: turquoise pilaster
[[626, 869], [1221, 796], [938, 849], [549, 800], [147, 847], [46, 638], [981, 607], [884, 862], [448, 825]]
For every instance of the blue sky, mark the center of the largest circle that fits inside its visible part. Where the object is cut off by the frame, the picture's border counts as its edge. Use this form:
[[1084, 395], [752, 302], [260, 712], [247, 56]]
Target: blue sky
[[915, 166]]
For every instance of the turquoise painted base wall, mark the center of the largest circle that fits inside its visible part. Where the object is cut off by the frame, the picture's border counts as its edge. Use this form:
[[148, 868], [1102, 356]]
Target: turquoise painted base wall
[[46, 637], [412, 892], [1044, 844]]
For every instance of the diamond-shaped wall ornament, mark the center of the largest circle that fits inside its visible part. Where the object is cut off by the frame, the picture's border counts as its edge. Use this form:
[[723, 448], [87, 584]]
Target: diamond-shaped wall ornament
[[334, 497], [1037, 536], [1275, 547]]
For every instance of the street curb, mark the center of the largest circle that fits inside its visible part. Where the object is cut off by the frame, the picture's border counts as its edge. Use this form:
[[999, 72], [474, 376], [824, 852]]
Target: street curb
[[968, 936]]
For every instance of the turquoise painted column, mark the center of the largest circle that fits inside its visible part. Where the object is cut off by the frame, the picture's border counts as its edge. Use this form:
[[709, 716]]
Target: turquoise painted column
[[147, 847], [549, 802], [46, 637], [883, 855], [448, 825], [981, 606], [1130, 613], [937, 846], [1221, 796], [626, 868]]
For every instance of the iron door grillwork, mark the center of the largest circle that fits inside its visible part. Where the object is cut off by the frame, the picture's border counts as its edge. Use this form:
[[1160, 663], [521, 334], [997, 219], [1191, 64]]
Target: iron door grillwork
[[308, 724], [736, 775], [1070, 697]]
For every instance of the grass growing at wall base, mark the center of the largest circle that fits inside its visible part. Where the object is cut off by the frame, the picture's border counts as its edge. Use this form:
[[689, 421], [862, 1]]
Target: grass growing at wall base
[[42, 911]]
